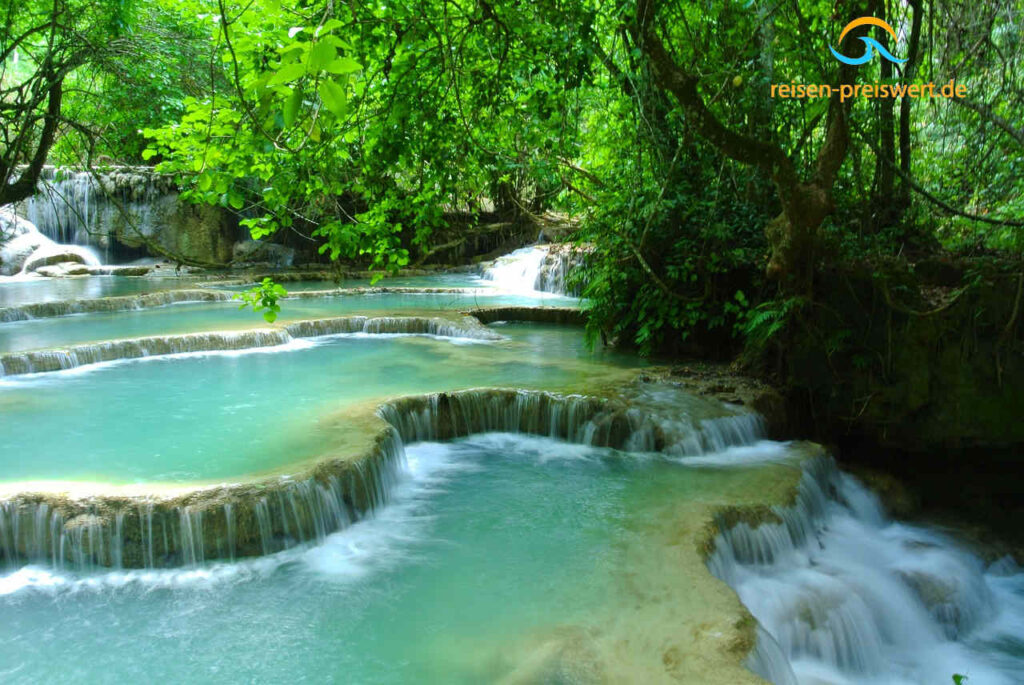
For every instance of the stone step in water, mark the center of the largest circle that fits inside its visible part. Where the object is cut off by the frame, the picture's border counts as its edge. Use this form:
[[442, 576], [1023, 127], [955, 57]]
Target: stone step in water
[[43, 361]]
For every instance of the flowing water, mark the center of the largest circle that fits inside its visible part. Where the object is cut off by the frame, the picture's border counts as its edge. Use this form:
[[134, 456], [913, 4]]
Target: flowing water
[[497, 557], [441, 280], [497, 550], [212, 416], [538, 268], [845, 595], [214, 316]]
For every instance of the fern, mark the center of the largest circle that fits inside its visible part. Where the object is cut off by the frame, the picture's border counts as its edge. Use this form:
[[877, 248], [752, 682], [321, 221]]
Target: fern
[[768, 319]]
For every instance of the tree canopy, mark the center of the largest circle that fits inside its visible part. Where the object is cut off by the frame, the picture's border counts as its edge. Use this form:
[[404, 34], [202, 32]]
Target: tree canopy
[[653, 123]]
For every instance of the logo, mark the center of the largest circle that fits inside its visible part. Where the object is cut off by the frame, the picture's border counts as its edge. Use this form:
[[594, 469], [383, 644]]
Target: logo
[[871, 43]]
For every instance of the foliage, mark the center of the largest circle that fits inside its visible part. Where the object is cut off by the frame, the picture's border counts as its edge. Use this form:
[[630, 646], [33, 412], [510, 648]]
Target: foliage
[[365, 126], [263, 298], [43, 47], [343, 120], [762, 323]]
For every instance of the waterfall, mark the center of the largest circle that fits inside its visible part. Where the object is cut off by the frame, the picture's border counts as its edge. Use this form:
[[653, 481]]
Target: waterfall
[[844, 595], [538, 268], [24, 250], [221, 523], [265, 517], [78, 207], [43, 361], [575, 418]]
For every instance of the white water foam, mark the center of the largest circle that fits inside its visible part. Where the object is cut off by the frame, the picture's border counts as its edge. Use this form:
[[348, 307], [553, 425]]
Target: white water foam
[[381, 540], [847, 596]]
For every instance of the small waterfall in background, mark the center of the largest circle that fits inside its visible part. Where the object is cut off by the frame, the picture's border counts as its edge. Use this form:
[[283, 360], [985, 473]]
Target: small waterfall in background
[[845, 595], [79, 208], [537, 268]]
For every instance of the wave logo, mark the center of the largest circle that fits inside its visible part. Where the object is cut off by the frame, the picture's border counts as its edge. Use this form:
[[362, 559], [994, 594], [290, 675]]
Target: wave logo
[[871, 43]]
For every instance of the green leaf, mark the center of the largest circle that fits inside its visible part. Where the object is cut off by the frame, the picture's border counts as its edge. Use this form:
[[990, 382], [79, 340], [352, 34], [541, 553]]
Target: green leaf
[[330, 25], [235, 199], [321, 55], [287, 74], [344, 65], [334, 97], [291, 107]]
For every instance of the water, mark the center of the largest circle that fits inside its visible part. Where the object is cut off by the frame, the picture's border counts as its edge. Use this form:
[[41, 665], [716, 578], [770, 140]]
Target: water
[[537, 268], [441, 280], [497, 557], [847, 595], [73, 208], [19, 291], [501, 557], [215, 416], [213, 316]]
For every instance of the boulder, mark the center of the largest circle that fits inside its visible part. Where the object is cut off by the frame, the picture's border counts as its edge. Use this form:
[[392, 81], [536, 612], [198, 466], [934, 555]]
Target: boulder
[[16, 250], [75, 268], [259, 252], [52, 254], [12, 226], [53, 271], [114, 270]]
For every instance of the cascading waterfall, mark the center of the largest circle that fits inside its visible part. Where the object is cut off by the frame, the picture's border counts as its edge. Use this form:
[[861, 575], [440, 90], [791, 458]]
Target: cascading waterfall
[[229, 523], [575, 418], [219, 524], [25, 250], [73, 207], [845, 595], [841, 593], [543, 268]]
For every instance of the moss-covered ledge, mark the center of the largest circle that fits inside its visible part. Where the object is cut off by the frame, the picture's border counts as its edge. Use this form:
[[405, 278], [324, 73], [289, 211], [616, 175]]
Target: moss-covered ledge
[[75, 356], [558, 315]]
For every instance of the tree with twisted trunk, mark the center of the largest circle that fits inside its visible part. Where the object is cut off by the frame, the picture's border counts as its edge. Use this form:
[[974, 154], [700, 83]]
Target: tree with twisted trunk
[[805, 196]]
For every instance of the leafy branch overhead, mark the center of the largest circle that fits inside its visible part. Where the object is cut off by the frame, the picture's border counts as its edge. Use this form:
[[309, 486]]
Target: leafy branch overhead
[[389, 133]]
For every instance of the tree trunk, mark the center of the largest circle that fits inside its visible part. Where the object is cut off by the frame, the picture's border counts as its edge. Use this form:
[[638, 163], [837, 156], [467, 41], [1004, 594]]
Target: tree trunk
[[793, 235], [27, 181], [886, 213], [913, 58]]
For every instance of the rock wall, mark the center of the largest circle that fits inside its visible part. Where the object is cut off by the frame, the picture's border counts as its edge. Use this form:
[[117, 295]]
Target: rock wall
[[129, 212], [907, 361]]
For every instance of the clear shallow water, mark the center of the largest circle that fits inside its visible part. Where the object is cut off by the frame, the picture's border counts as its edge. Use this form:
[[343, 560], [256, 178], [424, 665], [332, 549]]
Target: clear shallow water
[[223, 415], [498, 550], [502, 556], [17, 291], [451, 280], [507, 558], [214, 316]]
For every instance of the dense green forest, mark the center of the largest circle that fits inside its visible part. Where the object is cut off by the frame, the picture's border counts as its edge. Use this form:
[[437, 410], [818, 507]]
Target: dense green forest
[[707, 202]]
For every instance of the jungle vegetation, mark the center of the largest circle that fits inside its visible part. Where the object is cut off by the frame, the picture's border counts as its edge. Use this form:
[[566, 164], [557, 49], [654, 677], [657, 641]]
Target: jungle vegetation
[[705, 202]]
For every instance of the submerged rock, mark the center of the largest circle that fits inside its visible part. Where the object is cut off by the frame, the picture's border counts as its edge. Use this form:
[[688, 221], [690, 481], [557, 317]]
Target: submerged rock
[[250, 252]]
